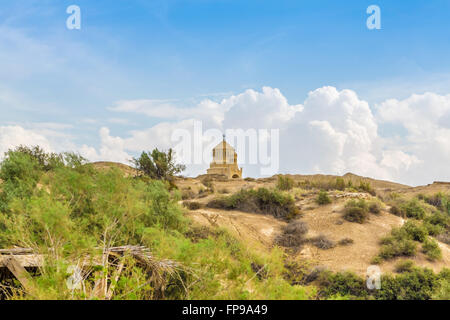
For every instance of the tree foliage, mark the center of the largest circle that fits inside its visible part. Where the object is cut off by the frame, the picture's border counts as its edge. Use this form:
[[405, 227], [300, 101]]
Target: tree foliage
[[158, 165]]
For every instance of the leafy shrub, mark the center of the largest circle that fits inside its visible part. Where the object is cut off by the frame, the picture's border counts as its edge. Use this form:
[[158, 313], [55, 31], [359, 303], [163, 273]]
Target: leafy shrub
[[397, 244], [431, 248], [76, 210], [397, 211], [413, 209], [418, 284], [404, 266], [355, 214], [323, 198], [293, 234], [262, 200], [340, 184], [341, 283], [438, 200], [285, 183], [366, 187], [374, 207], [439, 219], [415, 231], [356, 211]]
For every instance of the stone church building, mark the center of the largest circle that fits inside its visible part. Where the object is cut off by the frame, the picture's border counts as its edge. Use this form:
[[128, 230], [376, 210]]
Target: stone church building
[[225, 161]]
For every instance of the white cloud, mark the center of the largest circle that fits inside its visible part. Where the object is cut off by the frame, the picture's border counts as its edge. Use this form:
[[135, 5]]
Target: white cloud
[[206, 110], [13, 136], [332, 132]]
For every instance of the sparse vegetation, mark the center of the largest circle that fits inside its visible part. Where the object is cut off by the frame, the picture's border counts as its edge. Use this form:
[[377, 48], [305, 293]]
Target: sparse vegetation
[[192, 205], [404, 266], [285, 183], [323, 198], [413, 209], [261, 200], [340, 184], [292, 235], [322, 242], [346, 242], [374, 206], [66, 209], [431, 249], [356, 211], [415, 231], [397, 244], [411, 284], [73, 210]]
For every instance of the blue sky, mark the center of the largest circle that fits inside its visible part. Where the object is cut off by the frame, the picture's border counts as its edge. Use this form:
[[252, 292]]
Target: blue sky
[[185, 51]]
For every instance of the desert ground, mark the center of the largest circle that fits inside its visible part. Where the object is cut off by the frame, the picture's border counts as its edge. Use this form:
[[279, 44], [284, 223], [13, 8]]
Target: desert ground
[[259, 231]]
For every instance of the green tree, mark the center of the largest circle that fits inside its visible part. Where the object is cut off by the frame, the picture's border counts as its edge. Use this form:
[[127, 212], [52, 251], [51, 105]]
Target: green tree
[[158, 165]]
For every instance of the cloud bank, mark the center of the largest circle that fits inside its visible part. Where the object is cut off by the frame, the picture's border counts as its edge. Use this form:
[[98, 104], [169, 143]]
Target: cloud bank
[[331, 132]]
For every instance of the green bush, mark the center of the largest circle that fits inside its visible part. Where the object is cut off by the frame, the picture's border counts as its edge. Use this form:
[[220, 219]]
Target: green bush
[[413, 209], [395, 210], [366, 187], [415, 231], [285, 183], [340, 184], [397, 244], [76, 210], [341, 283], [262, 200], [404, 266], [418, 284], [412, 284], [356, 211], [374, 207], [323, 198], [431, 249]]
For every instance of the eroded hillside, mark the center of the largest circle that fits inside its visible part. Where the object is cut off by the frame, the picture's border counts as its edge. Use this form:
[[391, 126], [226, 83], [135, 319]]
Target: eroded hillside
[[325, 220]]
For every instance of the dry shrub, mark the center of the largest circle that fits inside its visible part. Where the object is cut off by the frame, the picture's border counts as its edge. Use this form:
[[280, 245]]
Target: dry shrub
[[224, 191], [322, 242], [192, 205], [285, 183], [345, 242], [187, 194], [293, 234], [444, 237], [374, 207]]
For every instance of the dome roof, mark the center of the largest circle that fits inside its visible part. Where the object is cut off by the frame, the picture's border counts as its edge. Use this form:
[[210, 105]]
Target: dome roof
[[223, 145]]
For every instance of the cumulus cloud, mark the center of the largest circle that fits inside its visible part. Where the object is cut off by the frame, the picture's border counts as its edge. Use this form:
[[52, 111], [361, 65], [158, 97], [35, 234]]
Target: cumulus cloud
[[332, 132], [425, 121], [13, 136]]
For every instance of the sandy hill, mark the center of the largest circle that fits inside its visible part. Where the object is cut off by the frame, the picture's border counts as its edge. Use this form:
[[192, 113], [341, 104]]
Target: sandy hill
[[259, 231]]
